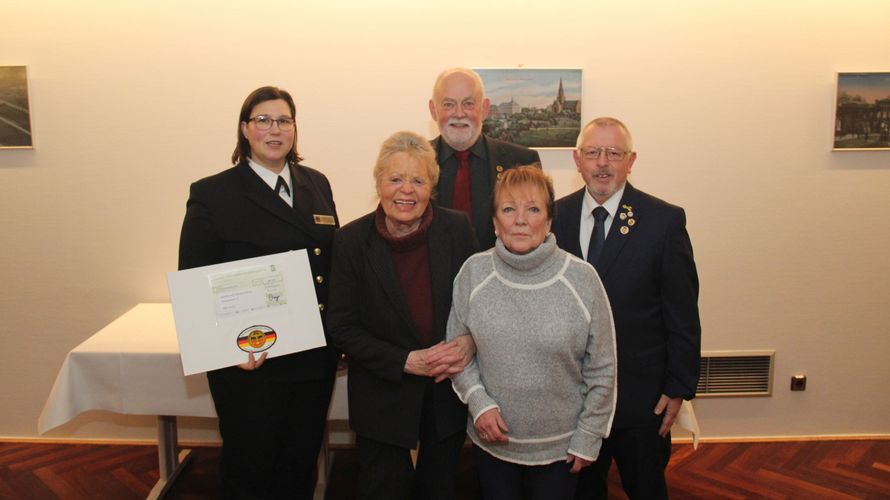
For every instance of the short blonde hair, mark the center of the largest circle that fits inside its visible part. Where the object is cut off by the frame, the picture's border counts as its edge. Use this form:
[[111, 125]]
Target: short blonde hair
[[414, 145], [526, 175]]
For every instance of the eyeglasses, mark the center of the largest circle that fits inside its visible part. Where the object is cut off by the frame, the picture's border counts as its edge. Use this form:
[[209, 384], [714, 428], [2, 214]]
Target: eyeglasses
[[612, 154], [264, 122]]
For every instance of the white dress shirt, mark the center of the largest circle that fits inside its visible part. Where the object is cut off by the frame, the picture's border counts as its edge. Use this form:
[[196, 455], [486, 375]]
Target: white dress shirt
[[587, 220], [271, 178]]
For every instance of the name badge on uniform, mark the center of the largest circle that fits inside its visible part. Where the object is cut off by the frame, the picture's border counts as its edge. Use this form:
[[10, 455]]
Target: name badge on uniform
[[327, 220]]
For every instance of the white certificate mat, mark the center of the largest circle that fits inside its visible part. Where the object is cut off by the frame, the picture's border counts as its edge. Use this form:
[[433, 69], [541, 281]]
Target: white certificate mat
[[225, 311]]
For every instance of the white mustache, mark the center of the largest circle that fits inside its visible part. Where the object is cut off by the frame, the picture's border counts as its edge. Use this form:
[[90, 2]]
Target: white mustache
[[460, 121]]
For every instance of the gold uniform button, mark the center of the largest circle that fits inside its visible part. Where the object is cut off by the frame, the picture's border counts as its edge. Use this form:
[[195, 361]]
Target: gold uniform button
[[317, 251], [321, 307], [319, 279]]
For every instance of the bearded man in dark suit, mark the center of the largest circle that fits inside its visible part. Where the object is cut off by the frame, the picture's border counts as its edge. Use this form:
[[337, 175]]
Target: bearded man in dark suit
[[640, 247], [470, 162]]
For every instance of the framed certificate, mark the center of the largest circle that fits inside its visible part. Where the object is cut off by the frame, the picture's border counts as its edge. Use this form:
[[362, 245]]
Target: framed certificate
[[225, 311]]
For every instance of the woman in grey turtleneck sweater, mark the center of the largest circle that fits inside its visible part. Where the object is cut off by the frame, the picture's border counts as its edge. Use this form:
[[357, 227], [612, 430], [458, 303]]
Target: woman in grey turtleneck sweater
[[541, 389]]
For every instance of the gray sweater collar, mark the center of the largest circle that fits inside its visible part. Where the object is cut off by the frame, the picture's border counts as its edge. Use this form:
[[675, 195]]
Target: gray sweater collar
[[538, 260]]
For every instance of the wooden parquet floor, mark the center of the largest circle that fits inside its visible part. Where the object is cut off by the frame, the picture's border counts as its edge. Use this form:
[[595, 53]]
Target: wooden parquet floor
[[792, 470]]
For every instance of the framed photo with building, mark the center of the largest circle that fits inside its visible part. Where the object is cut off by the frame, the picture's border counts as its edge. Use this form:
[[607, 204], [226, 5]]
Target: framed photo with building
[[862, 112], [538, 108], [15, 109]]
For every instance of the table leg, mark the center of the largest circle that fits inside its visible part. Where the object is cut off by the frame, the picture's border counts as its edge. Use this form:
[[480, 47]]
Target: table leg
[[170, 459]]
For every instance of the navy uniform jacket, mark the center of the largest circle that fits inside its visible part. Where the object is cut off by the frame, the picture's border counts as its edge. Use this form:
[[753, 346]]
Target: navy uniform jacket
[[652, 284], [234, 215]]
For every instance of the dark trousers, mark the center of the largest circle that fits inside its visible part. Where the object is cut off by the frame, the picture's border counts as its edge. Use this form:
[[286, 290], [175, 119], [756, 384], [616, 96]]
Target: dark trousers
[[641, 456], [508, 481], [387, 472], [272, 431]]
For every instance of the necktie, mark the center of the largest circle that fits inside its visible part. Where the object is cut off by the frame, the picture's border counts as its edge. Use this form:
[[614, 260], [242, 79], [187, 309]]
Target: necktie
[[598, 238], [281, 184], [462, 198]]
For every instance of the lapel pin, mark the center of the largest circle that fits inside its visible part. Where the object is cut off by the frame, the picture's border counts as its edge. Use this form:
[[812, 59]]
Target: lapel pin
[[631, 222], [624, 230], [622, 216]]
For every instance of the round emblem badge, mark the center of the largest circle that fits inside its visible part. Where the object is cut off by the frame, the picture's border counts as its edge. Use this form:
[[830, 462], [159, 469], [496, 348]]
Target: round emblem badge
[[256, 338]]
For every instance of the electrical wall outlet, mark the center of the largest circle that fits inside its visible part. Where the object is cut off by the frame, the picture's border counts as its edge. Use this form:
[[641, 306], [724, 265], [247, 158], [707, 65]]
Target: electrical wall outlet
[[799, 383]]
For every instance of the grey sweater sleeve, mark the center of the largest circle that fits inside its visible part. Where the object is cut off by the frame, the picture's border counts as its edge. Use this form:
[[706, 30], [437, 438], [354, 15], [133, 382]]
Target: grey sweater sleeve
[[468, 383], [598, 371]]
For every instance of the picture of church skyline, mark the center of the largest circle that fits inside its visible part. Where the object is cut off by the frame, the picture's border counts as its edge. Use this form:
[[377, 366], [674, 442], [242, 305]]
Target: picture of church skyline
[[539, 108]]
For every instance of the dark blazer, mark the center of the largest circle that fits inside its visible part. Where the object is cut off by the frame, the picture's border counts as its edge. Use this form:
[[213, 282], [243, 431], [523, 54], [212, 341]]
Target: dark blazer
[[501, 156], [234, 215], [370, 321], [650, 278]]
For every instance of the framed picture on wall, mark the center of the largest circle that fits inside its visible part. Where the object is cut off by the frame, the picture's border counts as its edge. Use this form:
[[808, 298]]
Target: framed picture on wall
[[538, 108], [862, 112], [15, 110]]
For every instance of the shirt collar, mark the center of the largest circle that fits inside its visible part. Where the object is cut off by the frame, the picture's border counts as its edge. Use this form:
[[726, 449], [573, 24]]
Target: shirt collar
[[478, 148], [270, 177], [611, 205]]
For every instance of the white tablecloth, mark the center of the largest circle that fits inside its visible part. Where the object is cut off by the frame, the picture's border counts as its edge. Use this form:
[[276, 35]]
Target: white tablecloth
[[131, 366]]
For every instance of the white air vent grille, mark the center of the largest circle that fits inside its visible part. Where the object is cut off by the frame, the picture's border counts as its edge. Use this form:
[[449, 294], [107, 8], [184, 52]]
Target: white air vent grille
[[736, 373]]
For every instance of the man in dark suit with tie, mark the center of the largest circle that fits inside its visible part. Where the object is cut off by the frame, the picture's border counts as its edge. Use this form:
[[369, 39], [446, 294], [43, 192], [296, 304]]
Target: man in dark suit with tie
[[470, 162], [640, 247]]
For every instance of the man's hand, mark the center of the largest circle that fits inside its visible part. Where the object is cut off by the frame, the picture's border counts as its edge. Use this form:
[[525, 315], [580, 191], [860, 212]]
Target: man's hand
[[670, 407]]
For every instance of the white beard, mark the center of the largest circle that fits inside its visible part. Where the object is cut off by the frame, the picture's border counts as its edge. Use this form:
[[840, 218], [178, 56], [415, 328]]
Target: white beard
[[460, 138]]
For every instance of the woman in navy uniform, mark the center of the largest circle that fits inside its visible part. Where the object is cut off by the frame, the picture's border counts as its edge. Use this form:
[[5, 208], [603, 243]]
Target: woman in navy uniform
[[271, 412]]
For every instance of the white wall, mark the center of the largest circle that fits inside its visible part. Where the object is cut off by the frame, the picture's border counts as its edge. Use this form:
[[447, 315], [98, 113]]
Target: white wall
[[730, 104]]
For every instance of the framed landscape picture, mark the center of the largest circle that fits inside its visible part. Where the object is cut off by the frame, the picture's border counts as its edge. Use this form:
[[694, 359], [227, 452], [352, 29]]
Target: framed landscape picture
[[538, 108], [862, 112], [15, 110]]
